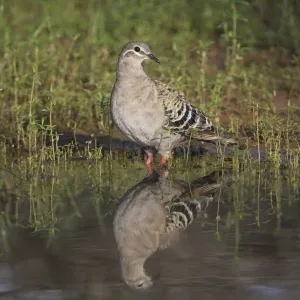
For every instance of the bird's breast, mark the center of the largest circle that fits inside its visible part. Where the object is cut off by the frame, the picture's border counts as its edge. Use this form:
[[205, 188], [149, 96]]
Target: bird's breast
[[137, 111]]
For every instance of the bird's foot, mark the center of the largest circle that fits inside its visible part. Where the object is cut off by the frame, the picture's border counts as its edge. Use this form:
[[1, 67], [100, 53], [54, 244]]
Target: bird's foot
[[149, 163], [164, 173]]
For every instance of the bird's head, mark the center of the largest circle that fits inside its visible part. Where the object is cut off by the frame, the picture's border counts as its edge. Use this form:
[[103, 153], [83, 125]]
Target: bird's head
[[134, 274], [136, 53], [140, 283]]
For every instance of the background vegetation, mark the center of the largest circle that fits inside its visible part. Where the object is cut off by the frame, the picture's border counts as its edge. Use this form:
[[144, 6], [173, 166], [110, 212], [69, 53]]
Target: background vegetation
[[238, 60]]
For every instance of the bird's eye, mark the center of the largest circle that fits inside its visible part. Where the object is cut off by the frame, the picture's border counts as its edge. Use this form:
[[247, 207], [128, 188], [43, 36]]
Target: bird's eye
[[137, 49], [140, 284]]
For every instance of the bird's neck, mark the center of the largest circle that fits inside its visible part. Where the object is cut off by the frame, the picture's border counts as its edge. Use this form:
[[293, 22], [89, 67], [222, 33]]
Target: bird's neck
[[132, 268], [128, 70]]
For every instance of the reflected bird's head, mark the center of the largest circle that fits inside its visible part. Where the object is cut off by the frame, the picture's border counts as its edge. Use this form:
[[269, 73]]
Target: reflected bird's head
[[134, 275], [141, 283]]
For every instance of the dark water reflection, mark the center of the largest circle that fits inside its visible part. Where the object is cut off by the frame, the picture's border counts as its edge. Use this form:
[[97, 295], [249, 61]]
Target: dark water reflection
[[58, 242]]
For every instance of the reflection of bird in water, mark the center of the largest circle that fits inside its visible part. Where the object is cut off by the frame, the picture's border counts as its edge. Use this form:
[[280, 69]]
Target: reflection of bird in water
[[151, 216]]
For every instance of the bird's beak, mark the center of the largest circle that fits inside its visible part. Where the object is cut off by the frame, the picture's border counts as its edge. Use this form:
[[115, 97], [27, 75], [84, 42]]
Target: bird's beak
[[151, 56]]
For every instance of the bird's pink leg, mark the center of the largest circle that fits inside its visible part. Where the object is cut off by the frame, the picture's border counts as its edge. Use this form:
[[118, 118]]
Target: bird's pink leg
[[149, 160], [163, 160], [149, 163]]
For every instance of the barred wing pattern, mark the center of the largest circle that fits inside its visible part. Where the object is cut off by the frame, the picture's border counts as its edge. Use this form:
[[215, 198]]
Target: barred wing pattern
[[182, 116], [181, 214], [185, 119]]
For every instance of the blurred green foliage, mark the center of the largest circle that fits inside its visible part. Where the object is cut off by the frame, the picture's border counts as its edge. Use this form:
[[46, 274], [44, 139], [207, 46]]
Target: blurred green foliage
[[261, 22], [58, 58]]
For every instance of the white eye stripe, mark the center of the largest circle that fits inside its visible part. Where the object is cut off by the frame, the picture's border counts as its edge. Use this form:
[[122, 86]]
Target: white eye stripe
[[140, 53]]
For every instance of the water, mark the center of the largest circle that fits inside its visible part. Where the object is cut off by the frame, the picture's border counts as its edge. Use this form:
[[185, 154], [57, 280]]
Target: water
[[58, 241]]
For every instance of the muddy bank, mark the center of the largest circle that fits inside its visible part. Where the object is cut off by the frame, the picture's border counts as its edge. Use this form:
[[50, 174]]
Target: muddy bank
[[108, 144]]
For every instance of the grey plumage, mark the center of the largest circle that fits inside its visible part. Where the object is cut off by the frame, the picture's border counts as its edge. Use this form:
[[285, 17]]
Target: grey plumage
[[151, 216], [152, 113]]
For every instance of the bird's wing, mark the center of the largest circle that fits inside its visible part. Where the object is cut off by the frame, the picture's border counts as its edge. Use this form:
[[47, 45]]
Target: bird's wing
[[186, 205], [180, 214], [182, 117]]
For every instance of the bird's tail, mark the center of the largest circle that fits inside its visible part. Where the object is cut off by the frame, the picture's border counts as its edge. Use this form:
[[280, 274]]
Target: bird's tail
[[212, 138]]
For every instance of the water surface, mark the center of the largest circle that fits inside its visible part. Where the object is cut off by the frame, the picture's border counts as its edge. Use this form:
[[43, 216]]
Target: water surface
[[57, 237]]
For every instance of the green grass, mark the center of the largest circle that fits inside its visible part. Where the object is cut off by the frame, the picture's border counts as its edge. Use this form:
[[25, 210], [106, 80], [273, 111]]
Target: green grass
[[57, 65], [231, 58], [239, 61]]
